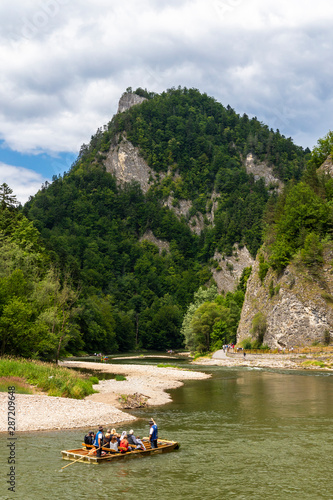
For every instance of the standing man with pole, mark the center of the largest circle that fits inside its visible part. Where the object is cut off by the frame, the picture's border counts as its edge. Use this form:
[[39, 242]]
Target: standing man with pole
[[153, 433], [98, 443]]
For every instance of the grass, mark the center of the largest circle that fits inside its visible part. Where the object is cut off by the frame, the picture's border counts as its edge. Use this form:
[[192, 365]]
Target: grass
[[119, 378], [321, 364], [50, 378], [167, 365], [198, 355], [21, 387]]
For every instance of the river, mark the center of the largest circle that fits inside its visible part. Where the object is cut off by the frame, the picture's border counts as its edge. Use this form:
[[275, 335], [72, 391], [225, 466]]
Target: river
[[244, 434]]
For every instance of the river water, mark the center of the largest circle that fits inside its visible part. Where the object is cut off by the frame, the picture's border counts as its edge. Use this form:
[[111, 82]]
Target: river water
[[244, 434]]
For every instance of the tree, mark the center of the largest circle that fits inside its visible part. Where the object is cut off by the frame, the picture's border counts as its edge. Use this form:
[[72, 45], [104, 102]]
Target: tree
[[7, 199], [203, 322], [323, 149], [201, 296]]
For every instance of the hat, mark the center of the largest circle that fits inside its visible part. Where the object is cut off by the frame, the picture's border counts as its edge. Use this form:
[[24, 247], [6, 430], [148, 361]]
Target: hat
[[131, 431], [151, 422]]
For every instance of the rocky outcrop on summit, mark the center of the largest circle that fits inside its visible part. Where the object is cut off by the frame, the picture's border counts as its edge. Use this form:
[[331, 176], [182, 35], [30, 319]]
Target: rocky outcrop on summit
[[261, 170], [296, 307], [326, 167], [230, 269], [124, 161], [128, 100]]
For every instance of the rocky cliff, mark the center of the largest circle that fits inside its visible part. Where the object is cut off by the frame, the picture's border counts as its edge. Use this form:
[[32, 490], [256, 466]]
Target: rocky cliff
[[261, 170], [128, 100], [294, 309], [229, 269], [124, 161]]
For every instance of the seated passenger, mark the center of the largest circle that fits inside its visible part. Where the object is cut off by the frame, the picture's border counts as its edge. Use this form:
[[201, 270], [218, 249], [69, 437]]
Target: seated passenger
[[114, 433], [135, 441], [89, 438], [124, 447], [107, 438], [114, 443]]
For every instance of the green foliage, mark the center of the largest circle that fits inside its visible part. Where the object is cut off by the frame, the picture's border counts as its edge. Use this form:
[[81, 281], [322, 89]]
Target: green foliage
[[167, 365], [323, 149], [200, 297], [327, 337], [55, 380], [246, 273], [36, 307], [210, 324], [301, 222], [7, 199], [130, 293], [120, 378], [247, 344], [311, 255], [259, 326], [263, 267]]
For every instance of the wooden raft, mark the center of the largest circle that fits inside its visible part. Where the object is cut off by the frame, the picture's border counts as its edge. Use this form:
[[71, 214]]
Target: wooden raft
[[86, 455]]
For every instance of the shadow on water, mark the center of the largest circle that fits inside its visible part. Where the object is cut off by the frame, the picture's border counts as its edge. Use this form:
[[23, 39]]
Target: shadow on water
[[244, 434]]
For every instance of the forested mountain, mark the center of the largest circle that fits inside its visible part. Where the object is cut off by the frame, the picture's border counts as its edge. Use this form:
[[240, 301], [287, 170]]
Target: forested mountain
[[93, 227]]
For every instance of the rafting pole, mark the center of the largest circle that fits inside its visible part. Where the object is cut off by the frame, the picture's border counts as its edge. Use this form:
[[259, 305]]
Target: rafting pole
[[79, 458]]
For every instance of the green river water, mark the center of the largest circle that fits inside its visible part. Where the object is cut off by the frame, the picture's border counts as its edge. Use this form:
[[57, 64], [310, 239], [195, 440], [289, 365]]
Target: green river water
[[244, 434]]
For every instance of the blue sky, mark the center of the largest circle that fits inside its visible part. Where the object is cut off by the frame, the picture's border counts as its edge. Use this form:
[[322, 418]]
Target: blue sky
[[65, 63]]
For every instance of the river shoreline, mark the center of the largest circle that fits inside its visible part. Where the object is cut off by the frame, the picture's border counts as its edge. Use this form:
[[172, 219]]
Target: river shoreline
[[41, 412], [274, 361], [36, 412]]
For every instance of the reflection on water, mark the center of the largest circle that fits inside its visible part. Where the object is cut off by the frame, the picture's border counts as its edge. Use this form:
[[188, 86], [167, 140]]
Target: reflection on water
[[244, 434]]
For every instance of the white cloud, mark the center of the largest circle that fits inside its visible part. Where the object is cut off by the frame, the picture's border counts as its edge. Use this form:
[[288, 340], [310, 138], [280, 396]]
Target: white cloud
[[66, 63], [23, 181]]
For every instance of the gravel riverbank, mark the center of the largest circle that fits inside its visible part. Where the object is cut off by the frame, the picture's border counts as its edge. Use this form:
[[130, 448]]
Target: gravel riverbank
[[276, 361], [40, 412]]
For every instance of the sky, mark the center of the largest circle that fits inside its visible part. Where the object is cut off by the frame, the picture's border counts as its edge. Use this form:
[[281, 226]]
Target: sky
[[65, 64]]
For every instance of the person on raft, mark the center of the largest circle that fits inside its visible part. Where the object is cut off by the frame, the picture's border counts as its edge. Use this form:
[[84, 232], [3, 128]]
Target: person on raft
[[135, 441], [89, 438], [98, 443], [124, 446], [114, 443], [153, 433]]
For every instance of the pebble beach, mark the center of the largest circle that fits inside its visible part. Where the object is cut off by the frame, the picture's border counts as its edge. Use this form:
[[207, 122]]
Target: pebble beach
[[41, 412]]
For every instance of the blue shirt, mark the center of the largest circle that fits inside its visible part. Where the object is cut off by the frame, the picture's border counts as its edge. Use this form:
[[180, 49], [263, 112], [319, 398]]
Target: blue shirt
[[99, 435], [154, 433]]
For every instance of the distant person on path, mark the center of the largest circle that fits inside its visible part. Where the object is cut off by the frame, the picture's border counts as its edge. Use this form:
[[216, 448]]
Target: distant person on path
[[153, 433], [98, 443], [244, 354]]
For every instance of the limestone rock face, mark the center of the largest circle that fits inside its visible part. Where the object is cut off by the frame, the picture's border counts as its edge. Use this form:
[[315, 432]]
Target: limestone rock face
[[261, 170], [124, 161], [327, 166], [231, 268], [128, 100], [298, 307], [161, 244]]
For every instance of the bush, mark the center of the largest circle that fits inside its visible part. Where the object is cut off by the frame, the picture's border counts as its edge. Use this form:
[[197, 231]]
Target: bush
[[246, 344], [263, 268], [259, 326], [312, 253], [94, 380]]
